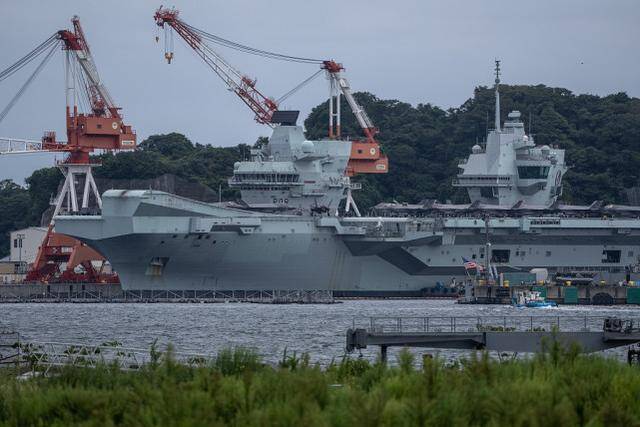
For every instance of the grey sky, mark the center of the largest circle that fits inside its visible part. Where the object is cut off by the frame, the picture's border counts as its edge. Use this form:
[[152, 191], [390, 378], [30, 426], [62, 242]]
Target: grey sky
[[411, 50]]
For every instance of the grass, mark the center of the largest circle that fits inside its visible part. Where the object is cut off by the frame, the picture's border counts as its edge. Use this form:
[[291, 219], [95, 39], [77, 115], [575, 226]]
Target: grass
[[557, 388]]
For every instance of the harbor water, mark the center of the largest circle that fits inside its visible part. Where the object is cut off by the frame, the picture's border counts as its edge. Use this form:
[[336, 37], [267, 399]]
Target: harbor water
[[269, 329]]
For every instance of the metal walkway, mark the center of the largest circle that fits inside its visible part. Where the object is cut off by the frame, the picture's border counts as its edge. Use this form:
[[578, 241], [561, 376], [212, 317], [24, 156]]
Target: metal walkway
[[528, 334], [87, 293], [41, 356]]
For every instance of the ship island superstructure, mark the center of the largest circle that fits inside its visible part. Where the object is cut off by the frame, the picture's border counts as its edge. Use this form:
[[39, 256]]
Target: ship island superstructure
[[511, 169], [288, 232]]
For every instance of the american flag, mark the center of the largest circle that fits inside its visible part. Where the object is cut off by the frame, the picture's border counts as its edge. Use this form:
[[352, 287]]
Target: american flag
[[471, 265]]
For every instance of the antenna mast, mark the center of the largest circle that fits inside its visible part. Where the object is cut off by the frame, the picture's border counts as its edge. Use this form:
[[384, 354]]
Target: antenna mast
[[497, 95]]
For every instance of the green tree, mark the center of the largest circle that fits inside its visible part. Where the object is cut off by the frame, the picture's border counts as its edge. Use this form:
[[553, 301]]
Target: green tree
[[15, 205]]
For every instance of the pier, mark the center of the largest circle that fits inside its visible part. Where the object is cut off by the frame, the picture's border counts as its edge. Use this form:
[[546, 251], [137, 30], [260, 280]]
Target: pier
[[113, 293], [590, 294], [527, 334]]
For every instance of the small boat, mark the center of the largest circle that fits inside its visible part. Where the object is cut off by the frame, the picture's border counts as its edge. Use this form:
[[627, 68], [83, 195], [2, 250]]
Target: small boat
[[532, 299]]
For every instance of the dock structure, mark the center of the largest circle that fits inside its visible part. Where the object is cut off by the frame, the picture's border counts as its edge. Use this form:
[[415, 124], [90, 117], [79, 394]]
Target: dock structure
[[526, 334], [113, 293], [587, 294]]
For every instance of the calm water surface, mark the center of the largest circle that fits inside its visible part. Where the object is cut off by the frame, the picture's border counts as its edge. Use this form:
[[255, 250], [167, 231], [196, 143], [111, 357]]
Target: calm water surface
[[269, 329]]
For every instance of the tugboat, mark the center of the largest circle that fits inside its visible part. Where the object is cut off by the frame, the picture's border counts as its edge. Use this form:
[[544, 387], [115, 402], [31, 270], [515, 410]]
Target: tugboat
[[532, 299]]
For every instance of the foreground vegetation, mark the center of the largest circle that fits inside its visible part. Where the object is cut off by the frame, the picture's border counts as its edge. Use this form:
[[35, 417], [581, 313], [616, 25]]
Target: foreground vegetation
[[554, 389]]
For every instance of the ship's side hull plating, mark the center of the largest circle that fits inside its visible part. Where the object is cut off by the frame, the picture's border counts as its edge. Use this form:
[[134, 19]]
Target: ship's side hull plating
[[160, 241], [228, 261]]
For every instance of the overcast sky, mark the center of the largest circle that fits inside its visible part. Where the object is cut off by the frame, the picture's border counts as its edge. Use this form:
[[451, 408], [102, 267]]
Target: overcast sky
[[416, 51]]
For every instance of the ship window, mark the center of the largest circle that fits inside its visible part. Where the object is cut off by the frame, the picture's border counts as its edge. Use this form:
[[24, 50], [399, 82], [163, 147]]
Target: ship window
[[15, 243], [548, 253], [533, 172], [611, 256], [473, 256], [630, 254], [486, 192], [500, 255], [99, 126]]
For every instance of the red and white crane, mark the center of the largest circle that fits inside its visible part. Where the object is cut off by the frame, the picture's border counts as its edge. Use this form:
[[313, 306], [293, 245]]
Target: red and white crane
[[366, 156], [100, 128]]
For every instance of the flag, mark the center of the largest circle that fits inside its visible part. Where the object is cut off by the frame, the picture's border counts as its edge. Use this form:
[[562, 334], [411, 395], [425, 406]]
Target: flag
[[471, 265]]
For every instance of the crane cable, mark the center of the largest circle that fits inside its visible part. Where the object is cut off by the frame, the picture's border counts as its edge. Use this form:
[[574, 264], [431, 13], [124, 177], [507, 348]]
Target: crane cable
[[259, 52], [248, 49], [298, 87], [20, 63], [24, 87], [81, 88]]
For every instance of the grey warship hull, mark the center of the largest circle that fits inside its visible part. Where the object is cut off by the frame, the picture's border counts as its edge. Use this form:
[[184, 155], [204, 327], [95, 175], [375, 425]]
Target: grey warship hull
[[157, 240], [228, 249]]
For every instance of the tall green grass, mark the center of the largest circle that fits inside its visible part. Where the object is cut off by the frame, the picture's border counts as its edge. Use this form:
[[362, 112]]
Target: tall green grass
[[557, 388]]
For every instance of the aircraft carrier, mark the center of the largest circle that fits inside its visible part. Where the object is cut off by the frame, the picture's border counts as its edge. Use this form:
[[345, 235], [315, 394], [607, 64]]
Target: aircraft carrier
[[288, 231]]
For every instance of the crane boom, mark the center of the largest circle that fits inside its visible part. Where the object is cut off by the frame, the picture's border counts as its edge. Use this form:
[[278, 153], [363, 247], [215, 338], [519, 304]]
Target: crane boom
[[99, 98], [243, 86]]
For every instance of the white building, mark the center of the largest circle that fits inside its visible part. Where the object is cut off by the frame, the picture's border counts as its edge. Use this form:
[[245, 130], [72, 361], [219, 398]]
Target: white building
[[25, 244]]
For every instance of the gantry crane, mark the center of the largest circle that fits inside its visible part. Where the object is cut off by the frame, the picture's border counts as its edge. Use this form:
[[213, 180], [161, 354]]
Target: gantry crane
[[100, 128], [366, 156]]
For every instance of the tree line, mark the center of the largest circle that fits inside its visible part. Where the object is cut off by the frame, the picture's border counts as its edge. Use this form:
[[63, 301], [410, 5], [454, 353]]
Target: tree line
[[424, 144]]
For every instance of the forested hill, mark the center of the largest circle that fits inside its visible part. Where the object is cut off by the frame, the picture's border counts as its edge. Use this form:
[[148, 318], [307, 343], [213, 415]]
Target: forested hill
[[424, 144]]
